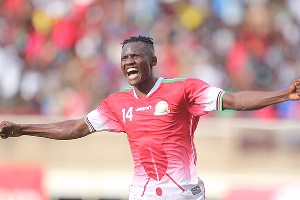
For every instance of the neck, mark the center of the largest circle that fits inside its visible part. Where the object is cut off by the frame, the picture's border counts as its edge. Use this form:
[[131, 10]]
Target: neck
[[143, 89]]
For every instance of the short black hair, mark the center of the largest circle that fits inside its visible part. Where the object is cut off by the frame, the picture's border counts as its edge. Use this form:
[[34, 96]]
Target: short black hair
[[146, 40]]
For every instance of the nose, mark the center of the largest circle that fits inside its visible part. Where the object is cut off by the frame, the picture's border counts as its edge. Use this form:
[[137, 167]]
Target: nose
[[128, 61]]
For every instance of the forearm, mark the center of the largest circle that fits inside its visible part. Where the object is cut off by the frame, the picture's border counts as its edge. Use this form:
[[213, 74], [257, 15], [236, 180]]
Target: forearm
[[253, 100], [65, 130]]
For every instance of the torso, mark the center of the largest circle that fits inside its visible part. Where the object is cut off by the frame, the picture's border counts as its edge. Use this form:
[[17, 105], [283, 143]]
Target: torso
[[160, 130]]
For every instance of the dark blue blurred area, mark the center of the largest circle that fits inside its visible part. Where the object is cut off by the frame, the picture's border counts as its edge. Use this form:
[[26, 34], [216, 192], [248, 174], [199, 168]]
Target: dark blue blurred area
[[61, 57]]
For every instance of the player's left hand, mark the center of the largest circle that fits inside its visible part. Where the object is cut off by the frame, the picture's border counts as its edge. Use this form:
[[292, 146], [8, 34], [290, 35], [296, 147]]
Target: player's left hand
[[294, 90], [9, 129]]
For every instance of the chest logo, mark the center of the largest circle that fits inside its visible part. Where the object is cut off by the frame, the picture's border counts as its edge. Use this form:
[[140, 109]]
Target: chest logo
[[161, 108], [143, 108]]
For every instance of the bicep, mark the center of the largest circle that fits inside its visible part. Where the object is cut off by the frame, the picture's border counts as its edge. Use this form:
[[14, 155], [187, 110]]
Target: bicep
[[239, 101], [80, 129], [229, 101]]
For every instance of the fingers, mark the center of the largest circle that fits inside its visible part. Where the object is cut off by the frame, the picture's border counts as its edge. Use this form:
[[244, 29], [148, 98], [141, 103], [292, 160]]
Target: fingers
[[4, 130], [297, 85], [296, 82], [3, 137]]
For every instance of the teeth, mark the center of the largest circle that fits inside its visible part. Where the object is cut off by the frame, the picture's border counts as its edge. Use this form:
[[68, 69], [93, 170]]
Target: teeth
[[131, 69]]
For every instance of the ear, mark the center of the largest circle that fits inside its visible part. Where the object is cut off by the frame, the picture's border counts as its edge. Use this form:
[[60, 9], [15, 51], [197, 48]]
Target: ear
[[153, 61]]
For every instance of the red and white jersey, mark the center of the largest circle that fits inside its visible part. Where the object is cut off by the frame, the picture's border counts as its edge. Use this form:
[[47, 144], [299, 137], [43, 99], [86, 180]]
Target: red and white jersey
[[160, 130]]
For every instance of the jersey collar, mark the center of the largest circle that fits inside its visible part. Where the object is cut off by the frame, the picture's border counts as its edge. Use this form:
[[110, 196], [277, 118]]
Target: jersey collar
[[156, 85]]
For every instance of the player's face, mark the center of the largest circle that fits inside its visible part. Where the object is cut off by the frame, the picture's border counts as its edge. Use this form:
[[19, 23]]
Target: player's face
[[137, 60]]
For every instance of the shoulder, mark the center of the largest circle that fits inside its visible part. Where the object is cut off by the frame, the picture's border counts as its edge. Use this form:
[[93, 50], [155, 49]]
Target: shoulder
[[185, 81], [173, 80], [118, 96], [197, 81], [121, 93], [125, 90]]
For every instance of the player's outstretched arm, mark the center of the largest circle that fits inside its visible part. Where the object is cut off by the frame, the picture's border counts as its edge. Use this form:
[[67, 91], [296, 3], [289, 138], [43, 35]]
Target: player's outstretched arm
[[254, 100], [65, 130]]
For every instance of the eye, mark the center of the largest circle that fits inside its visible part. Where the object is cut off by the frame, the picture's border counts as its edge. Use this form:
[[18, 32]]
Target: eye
[[124, 58], [136, 56]]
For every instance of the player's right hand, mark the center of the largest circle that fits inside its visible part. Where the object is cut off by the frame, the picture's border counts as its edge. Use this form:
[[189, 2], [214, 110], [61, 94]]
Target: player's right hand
[[9, 129], [294, 90]]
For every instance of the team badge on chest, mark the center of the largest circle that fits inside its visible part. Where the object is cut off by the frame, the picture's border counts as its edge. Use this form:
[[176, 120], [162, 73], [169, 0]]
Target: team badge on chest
[[161, 108]]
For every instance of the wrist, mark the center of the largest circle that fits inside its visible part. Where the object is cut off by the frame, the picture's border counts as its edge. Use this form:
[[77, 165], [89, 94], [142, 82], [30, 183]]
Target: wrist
[[286, 95], [19, 130]]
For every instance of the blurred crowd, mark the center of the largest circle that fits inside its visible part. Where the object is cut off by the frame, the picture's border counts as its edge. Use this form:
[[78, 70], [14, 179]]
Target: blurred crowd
[[62, 57]]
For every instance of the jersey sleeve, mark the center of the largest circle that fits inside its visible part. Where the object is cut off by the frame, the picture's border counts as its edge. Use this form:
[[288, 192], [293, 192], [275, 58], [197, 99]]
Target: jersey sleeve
[[202, 98], [103, 119]]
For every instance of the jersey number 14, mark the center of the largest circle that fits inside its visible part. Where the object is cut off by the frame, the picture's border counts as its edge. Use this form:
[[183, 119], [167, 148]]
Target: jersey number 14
[[128, 114]]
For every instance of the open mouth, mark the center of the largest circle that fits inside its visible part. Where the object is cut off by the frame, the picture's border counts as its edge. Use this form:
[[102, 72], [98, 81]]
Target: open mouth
[[132, 73]]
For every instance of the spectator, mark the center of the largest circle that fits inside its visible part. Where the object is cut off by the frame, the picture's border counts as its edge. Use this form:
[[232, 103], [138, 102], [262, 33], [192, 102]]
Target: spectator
[[229, 38]]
